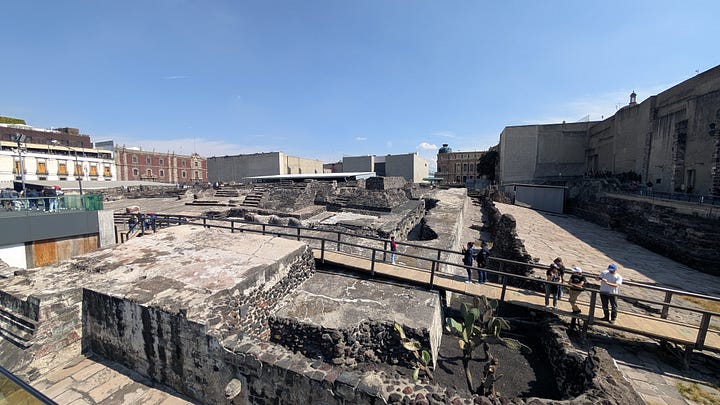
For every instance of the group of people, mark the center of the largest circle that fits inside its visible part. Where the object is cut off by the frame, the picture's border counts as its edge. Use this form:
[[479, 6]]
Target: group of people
[[30, 198], [480, 256], [609, 279]]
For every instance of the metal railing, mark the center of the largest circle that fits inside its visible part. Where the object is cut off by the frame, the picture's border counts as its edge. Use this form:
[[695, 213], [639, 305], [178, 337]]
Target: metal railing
[[23, 386], [377, 250]]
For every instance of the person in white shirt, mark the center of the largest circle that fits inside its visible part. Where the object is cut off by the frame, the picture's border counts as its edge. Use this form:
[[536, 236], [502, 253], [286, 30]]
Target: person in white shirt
[[610, 280]]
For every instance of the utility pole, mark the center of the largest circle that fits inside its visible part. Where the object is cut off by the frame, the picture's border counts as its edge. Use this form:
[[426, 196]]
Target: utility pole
[[20, 138]]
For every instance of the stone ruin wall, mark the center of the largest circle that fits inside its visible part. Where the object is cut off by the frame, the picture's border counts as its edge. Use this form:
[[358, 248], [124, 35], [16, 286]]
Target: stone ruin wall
[[371, 342], [687, 239]]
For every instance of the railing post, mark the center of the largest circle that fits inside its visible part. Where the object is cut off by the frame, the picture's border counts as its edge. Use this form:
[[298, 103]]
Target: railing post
[[504, 288], [322, 250], [432, 273], [591, 308], [298, 234], [665, 308], [385, 248], [338, 242], [372, 263], [232, 226], [702, 331], [263, 229], [205, 222], [502, 276], [142, 224]]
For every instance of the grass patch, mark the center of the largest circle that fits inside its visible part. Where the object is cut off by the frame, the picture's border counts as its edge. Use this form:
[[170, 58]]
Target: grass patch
[[694, 393], [713, 306]]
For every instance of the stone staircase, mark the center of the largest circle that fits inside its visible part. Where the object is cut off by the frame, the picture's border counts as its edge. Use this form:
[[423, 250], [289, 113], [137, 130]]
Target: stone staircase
[[255, 195], [224, 192], [16, 328]]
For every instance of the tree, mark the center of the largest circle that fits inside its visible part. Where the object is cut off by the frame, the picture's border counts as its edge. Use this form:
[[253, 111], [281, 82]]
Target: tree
[[487, 163]]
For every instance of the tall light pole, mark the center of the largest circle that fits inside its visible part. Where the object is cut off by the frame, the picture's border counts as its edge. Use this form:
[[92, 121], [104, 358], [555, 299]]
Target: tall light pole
[[20, 138]]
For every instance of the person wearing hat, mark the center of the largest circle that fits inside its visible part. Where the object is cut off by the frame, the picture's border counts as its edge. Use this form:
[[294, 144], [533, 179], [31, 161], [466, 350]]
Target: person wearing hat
[[610, 280], [576, 281]]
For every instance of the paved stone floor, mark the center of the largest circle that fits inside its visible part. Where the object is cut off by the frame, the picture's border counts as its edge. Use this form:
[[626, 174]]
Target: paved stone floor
[[650, 369]]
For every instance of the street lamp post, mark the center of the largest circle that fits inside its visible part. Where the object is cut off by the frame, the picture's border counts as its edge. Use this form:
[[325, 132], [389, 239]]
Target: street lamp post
[[20, 138]]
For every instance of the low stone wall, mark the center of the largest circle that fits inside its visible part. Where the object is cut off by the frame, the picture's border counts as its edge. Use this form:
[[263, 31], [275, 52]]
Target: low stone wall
[[370, 342], [584, 378], [688, 239], [506, 243], [385, 183]]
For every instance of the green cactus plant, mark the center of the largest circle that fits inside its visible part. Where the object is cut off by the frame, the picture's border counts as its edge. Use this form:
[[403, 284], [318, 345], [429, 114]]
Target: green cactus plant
[[478, 324], [422, 356]]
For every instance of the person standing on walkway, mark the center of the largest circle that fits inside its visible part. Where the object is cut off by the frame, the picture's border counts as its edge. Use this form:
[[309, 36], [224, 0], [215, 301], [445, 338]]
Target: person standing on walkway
[[393, 249], [610, 280], [558, 264], [577, 281], [552, 274], [482, 259], [469, 254]]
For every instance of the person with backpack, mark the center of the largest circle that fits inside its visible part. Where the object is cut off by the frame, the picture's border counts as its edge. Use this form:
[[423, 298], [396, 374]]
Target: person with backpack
[[576, 281], [469, 255], [554, 275], [482, 259]]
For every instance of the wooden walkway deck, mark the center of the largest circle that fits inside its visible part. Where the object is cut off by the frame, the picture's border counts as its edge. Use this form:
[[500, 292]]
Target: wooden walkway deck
[[645, 325]]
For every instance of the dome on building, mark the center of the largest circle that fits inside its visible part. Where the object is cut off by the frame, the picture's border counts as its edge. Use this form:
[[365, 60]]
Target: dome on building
[[445, 149]]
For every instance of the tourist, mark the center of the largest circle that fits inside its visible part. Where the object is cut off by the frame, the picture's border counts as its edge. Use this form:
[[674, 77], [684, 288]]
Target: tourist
[[32, 196], [558, 264], [468, 257], [393, 249], [553, 275], [577, 281], [482, 259], [610, 280]]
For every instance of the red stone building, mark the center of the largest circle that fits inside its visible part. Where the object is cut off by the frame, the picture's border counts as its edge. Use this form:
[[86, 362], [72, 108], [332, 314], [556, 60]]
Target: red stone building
[[137, 164]]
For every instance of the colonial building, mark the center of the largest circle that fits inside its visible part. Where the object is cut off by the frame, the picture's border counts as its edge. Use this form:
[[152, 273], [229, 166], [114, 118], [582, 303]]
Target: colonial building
[[239, 167], [28, 154], [456, 168], [138, 164]]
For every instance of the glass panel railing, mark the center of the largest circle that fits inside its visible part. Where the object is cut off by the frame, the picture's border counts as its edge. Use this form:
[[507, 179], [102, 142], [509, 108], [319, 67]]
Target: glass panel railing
[[86, 202]]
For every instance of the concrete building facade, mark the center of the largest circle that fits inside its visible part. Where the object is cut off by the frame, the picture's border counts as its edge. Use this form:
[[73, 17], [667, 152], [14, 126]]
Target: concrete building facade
[[542, 153], [670, 140], [410, 166], [53, 155], [456, 168], [134, 164], [239, 167]]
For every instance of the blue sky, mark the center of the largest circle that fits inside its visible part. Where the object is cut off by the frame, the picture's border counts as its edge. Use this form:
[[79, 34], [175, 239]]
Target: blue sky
[[325, 79]]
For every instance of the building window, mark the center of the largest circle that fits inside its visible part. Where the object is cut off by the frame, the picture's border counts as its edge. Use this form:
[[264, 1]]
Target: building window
[[184, 174], [136, 172], [148, 160], [42, 168], [78, 169], [134, 158], [18, 167], [197, 175], [182, 163], [464, 167], [149, 172], [161, 162], [93, 170], [62, 168], [162, 173], [106, 171], [197, 164]]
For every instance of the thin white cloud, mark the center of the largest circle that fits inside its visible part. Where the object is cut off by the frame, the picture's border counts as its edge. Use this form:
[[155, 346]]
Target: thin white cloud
[[360, 138], [445, 134], [596, 106], [176, 77], [426, 146]]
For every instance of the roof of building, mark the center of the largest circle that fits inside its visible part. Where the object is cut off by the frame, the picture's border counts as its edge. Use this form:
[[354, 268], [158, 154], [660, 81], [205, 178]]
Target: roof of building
[[318, 176]]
